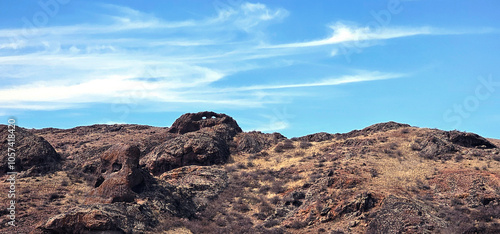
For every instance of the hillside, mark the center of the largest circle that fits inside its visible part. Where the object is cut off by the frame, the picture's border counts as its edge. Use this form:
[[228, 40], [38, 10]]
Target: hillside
[[205, 175]]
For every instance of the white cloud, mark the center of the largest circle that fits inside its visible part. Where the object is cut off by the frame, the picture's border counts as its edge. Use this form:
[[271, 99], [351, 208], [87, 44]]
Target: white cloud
[[343, 33], [137, 57]]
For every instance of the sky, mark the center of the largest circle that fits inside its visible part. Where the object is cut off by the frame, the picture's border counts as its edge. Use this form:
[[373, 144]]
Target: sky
[[293, 67]]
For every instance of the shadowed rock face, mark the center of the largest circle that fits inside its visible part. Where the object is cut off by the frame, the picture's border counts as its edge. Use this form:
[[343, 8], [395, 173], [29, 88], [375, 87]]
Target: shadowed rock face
[[469, 140], [204, 141], [189, 149], [120, 175], [34, 155]]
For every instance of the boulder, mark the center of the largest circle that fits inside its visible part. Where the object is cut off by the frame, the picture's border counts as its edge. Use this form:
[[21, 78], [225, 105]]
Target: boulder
[[469, 140], [254, 142], [435, 148], [34, 155], [316, 137], [102, 218], [217, 123], [200, 183], [119, 175], [193, 148], [401, 215]]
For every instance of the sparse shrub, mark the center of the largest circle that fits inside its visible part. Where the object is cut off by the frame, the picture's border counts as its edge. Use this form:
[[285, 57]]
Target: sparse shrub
[[264, 189], [263, 154], [415, 146], [274, 200], [496, 158], [459, 158], [271, 223], [241, 166], [304, 144], [314, 176], [405, 130], [231, 168], [241, 207], [54, 196], [277, 187], [279, 148], [373, 172], [250, 164], [288, 144], [64, 183], [299, 153], [297, 224]]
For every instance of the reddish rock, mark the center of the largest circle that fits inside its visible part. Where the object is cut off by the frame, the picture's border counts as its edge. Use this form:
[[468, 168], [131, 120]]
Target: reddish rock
[[34, 155], [194, 148], [401, 215], [254, 142], [192, 122], [200, 183], [120, 175], [102, 218]]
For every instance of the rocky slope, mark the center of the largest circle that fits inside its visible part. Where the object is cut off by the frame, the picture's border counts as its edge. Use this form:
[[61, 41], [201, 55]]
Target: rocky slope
[[204, 175]]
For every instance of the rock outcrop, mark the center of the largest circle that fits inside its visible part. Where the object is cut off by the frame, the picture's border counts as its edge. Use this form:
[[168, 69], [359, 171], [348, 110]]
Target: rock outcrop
[[34, 155], [401, 215], [199, 183], [204, 141], [195, 148], [254, 142], [469, 140], [102, 218], [316, 137], [120, 175], [221, 124]]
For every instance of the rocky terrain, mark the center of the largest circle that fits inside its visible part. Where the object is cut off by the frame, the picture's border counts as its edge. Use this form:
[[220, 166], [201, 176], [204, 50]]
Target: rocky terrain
[[205, 175]]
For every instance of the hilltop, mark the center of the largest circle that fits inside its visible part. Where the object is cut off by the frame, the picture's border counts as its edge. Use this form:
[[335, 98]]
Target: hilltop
[[205, 175]]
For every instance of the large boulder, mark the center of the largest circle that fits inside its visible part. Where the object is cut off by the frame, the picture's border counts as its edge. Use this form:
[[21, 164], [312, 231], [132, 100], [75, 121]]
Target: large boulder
[[254, 142], [194, 148], [34, 155], [433, 147], [200, 183], [102, 218], [401, 215], [469, 140], [119, 176], [210, 121]]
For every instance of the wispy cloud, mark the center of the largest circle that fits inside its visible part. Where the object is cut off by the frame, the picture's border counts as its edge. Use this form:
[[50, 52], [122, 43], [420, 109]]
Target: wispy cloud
[[132, 56], [342, 33]]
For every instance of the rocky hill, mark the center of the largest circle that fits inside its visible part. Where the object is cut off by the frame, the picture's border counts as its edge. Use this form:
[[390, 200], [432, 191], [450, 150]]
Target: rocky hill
[[205, 175]]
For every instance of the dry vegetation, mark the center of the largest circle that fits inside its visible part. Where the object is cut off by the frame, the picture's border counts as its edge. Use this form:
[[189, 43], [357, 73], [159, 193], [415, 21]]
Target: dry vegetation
[[332, 186]]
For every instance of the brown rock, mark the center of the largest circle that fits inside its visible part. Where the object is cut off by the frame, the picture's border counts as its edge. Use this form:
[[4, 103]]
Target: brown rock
[[192, 122], [200, 183], [469, 140], [254, 142], [401, 215], [436, 148], [120, 175], [194, 148], [34, 155], [316, 137], [103, 218]]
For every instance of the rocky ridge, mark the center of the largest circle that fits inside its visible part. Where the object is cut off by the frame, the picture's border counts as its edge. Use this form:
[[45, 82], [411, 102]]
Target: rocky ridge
[[205, 175]]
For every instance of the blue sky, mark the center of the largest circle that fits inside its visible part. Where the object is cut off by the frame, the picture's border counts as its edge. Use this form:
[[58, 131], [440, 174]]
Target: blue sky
[[294, 67]]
